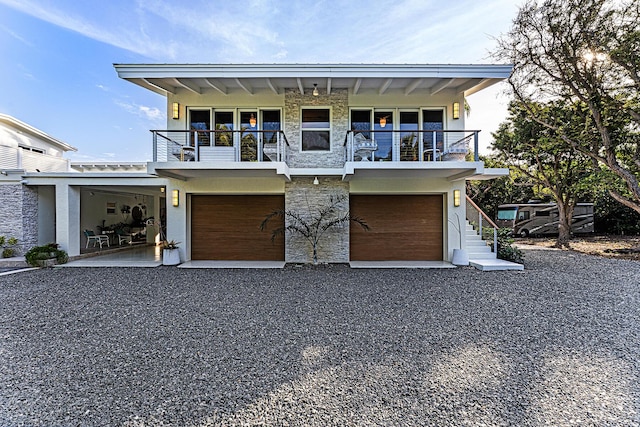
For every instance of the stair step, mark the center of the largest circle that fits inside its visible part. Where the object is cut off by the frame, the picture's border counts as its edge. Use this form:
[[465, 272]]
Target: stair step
[[487, 255]]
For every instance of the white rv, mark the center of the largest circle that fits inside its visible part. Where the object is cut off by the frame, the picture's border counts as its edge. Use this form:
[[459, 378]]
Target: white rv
[[537, 219]]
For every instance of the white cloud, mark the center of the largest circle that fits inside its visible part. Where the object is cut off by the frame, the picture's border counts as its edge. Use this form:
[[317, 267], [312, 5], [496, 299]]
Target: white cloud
[[149, 113]]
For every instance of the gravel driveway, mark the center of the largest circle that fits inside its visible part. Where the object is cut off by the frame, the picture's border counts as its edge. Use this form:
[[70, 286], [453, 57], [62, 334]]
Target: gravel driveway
[[557, 344]]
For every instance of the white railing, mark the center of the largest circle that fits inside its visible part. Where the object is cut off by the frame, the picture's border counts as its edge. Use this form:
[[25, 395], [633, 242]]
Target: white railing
[[220, 145], [410, 145], [31, 161], [475, 215]]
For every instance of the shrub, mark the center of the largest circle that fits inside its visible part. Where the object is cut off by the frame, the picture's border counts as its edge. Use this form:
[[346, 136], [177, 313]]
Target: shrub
[[7, 246], [506, 250], [36, 255]]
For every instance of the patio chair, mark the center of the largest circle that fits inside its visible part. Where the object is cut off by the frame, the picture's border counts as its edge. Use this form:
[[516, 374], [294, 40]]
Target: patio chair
[[363, 148], [123, 237], [95, 239]]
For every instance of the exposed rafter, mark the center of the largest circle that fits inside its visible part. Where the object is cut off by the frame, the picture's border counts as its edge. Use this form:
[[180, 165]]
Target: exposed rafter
[[356, 87], [245, 86], [441, 85], [300, 85], [385, 86], [189, 85], [468, 85], [329, 86], [412, 86], [217, 86], [273, 87], [160, 86]]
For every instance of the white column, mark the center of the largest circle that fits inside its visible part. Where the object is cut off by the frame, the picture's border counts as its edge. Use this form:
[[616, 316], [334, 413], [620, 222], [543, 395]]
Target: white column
[[177, 220], [68, 218]]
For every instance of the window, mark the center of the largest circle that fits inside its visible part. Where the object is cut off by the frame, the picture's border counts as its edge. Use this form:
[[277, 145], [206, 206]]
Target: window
[[543, 213], [224, 122], [316, 129], [33, 149], [507, 214]]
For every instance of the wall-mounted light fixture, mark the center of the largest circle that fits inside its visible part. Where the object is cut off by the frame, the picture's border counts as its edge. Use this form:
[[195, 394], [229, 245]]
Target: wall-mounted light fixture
[[456, 110], [383, 121], [252, 121], [175, 198], [315, 181], [315, 89], [162, 189], [456, 198], [175, 111]]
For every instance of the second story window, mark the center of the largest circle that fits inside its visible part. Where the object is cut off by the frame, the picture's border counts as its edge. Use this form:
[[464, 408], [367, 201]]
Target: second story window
[[316, 129]]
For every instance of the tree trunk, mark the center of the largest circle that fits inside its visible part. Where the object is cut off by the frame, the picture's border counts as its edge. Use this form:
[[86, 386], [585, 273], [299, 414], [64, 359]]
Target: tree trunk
[[565, 217]]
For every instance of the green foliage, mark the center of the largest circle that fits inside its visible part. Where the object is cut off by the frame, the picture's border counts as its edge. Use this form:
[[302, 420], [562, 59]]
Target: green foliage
[[37, 254], [170, 244], [506, 249], [313, 225], [7, 245]]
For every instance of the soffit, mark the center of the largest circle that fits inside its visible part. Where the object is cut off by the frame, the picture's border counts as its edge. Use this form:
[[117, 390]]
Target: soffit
[[275, 78]]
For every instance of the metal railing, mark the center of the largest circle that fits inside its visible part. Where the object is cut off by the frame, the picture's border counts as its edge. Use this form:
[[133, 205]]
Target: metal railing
[[220, 145], [475, 213], [410, 145]]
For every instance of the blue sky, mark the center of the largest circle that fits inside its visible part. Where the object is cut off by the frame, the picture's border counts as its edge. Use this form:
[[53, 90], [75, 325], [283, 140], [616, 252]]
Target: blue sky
[[56, 67]]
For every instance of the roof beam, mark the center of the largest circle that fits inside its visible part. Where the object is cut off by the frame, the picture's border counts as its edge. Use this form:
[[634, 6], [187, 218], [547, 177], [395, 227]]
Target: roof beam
[[273, 87], [247, 88], [189, 86], [165, 88], [441, 85], [300, 85], [329, 86], [412, 86], [385, 86], [217, 86], [468, 85], [477, 88], [356, 87]]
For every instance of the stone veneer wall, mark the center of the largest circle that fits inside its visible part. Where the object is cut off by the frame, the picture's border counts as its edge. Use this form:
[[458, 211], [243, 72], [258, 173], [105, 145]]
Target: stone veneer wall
[[338, 101], [301, 195], [19, 215]]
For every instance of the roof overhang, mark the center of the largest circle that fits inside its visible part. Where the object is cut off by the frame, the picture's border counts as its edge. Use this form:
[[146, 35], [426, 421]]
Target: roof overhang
[[451, 171], [37, 133], [228, 79], [192, 170], [490, 173]]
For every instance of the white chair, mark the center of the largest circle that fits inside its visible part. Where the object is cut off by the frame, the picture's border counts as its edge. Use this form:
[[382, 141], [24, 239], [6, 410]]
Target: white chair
[[123, 237], [363, 147], [95, 239]]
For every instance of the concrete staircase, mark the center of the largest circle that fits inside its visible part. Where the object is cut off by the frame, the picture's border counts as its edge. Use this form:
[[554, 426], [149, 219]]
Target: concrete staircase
[[481, 255]]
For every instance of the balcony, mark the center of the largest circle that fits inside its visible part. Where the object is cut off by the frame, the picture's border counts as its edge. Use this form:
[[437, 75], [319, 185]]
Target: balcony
[[410, 145], [219, 146]]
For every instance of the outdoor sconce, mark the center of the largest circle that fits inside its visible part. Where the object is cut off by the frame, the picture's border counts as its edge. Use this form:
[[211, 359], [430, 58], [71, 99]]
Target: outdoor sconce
[[456, 110], [315, 89], [175, 109], [383, 121], [175, 198], [456, 198], [315, 181], [252, 121]]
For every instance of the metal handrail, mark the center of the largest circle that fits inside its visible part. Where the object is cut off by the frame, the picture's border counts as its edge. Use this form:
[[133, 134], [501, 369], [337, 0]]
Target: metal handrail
[[420, 133], [195, 139], [481, 215]]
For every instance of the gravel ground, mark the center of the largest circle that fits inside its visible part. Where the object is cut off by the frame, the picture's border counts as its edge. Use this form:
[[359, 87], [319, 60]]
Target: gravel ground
[[557, 344]]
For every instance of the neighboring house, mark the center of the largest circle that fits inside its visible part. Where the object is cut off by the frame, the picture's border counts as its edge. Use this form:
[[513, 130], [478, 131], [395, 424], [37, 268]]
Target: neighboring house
[[23, 149], [243, 140]]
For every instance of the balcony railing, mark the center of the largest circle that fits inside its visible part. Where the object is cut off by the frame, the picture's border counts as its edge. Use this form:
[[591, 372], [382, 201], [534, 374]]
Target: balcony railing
[[220, 145], [410, 145]]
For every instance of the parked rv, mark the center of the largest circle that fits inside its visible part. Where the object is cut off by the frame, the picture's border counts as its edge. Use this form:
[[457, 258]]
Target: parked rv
[[538, 219]]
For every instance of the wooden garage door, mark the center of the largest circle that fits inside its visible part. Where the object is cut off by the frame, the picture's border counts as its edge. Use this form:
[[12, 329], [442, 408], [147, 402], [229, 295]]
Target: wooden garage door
[[402, 228], [228, 228]]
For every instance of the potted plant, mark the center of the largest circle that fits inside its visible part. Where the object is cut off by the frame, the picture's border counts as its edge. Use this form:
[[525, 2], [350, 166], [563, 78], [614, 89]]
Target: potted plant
[[7, 246], [170, 253], [46, 256]]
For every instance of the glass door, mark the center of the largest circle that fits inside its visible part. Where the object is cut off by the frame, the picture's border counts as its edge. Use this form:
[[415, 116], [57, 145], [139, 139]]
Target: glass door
[[199, 125], [248, 136], [271, 123], [383, 127], [409, 136], [432, 121], [223, 121]]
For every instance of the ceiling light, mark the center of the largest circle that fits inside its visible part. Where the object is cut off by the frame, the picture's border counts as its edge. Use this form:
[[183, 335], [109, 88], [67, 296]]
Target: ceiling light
[[315, 89]]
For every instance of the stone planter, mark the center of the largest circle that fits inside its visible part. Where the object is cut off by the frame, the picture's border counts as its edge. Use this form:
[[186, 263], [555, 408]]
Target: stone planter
[[460, 257], [170, 256]]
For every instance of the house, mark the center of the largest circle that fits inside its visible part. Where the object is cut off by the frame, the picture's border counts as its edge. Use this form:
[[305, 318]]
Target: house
[[23, 148], [244, 140]]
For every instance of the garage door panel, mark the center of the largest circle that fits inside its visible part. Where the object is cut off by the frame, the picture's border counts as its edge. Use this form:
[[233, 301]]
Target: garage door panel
[[228, 228], [402, 228]]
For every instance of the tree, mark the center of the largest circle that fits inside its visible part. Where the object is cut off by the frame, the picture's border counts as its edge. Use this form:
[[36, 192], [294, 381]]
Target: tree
[[539, 152], [583, 51], [312, 225]]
